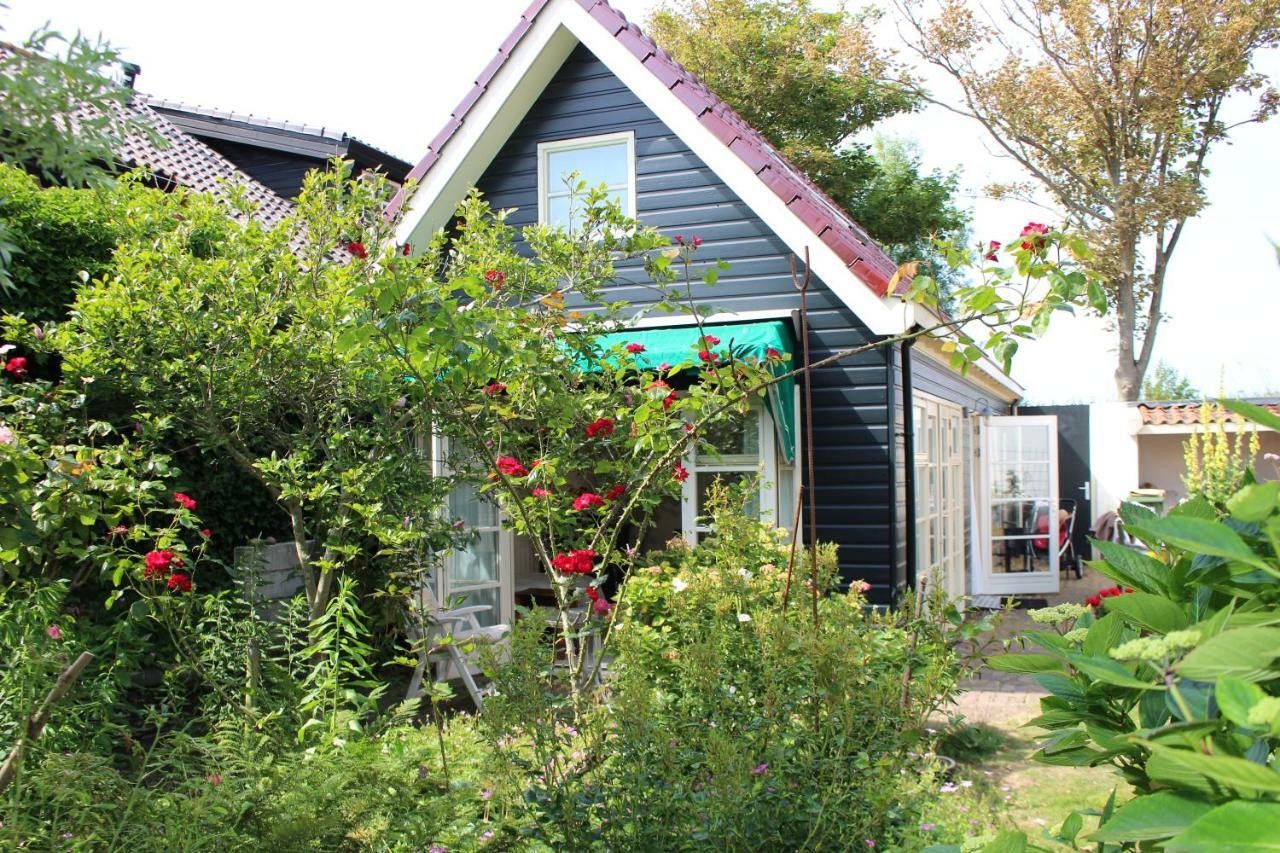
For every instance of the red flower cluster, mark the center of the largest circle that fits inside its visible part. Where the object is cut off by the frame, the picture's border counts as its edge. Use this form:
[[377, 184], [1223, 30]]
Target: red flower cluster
[[587, 500], [680, 472], [710, 341], [668, 400], [580, 562], [179, 582], [16, 366], [616, 492], [600, 605], [357, 249], [695, 241], [600, 426], [185, 501], [707, 355], [635, 349], [1031, 229], [496, 278], [1110, 592], [993, 247], [510, 466], [160, 564], [541, 492], [493, 389]]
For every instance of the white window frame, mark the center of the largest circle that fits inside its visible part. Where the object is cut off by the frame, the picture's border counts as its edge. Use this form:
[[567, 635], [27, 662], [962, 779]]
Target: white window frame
[[546, 149], [765, 467], [445, 589], [945, 462]]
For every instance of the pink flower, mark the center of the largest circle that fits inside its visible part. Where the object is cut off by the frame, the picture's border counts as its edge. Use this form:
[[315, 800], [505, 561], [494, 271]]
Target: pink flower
[[510, 466], [710, 341], [635, 349], [587, 500], [696, 241], [665, 367], [406, 249], [600, 605], [486, 793], [214, 779], [541, 492], [680, 472], [54, 632], [184, 500], [7, 436], [600, 426]]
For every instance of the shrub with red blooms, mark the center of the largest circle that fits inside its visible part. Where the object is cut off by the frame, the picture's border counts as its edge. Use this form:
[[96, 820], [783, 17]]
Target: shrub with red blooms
[[357, 249], [680, 472], [493, 389], [510, 466], [1110, 592], [1035, 230], [600, 426], [580, 562], [158, 563], [16, 366], [185, 501], [179, 583], [496, 278], [635, 349], [587, 500]]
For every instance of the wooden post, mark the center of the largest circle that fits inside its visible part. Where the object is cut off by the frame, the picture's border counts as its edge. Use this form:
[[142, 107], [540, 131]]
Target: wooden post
[[37, 721]]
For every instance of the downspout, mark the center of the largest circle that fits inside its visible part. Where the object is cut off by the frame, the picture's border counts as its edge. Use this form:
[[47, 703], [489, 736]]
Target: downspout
[[909, 463]]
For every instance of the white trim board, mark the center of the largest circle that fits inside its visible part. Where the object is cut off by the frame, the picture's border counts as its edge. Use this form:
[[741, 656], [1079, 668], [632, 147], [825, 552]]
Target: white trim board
[[561, 25]]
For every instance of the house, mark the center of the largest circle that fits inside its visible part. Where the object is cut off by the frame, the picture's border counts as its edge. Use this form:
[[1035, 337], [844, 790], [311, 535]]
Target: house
[[898, 435], [276, 154]]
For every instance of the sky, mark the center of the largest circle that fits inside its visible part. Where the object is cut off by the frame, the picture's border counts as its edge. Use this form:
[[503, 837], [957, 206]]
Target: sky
[[391, 72]]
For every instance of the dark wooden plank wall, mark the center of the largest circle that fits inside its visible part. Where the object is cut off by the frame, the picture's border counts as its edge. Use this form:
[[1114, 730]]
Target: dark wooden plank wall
[[281, 171], [677, 193]]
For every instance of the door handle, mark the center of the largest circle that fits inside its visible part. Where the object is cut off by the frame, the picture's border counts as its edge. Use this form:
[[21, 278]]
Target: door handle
[[1085, 489]]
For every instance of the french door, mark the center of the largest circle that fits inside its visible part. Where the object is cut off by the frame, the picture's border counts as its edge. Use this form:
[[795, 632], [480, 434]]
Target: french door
[[939, 492], [1019, 474]]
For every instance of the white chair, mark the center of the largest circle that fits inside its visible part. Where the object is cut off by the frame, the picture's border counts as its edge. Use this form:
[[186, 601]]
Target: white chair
[[462, 627]]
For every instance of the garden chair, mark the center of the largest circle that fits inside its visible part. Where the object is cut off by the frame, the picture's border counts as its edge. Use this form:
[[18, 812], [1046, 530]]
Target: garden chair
[[462, 628], [1043, 540]]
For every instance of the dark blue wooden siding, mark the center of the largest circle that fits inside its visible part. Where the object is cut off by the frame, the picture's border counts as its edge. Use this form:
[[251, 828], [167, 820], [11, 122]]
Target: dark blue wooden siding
[[679, 194]]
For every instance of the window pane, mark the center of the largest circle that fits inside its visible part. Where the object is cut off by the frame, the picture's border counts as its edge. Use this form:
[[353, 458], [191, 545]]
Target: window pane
[[737, 437], [487, 596], [479, 562], [728, 478], [474, 510], [599, 164], [559, 210]]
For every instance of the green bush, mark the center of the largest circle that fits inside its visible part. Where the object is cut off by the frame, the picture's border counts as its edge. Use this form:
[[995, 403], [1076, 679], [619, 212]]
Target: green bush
[[1175, 682]]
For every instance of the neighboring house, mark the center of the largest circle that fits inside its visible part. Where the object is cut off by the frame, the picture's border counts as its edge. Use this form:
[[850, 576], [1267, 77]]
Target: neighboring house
[[274, 153], [898, 483]]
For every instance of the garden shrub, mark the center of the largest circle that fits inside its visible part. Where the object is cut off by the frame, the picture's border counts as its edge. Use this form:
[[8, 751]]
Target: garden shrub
[[1175, 681]]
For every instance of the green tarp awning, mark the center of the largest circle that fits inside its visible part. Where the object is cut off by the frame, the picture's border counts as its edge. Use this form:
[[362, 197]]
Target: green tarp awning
[[677, 346]]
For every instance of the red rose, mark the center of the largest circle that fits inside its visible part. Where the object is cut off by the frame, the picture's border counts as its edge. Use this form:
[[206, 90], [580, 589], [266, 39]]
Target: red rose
[[706, 355], [357, 248], [587, 500], [616, 492], [992, 248], [696, 241], [541, 492], [669, 400], [206, 533], [17, 366], [710, 341], [179, 583], [599, 426], [158, 563], [1034, 229], [406, 249], [496, 278], [1093, 601], [680, 472], [495, 388], [184, 500], [635, 349], [664, 367], [510, 466], [580, 562]]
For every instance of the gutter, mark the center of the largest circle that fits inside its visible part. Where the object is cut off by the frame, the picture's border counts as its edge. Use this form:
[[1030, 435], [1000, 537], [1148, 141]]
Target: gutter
[[909, 463]]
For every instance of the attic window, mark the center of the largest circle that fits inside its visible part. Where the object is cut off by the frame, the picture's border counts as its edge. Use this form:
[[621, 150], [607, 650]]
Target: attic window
[[608, 159]]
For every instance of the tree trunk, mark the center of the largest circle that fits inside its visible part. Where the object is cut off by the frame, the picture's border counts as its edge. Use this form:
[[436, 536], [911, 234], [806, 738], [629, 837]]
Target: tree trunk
[[1128, 381]]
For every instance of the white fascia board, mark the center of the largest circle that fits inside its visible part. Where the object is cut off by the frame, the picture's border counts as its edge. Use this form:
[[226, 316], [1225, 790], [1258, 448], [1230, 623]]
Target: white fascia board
[[1188, 429], [559, 27], [486, 128]]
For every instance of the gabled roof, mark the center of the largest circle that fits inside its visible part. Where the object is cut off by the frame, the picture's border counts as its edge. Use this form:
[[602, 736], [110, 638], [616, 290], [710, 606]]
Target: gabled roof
[[824, 224], [301, 140]]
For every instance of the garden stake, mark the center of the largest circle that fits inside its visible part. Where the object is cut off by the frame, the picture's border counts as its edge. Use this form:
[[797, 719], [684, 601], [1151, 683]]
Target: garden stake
[[803, 286], [791, 560]]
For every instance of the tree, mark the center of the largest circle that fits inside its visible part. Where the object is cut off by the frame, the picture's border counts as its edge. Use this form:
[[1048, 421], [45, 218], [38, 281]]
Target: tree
[[1113, 109], [808, 80], [1166, 383]]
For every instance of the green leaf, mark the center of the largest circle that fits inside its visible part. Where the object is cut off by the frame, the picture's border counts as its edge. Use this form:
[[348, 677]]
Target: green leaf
[[1235, 697], [1244, 653], [1151, 817], [1152, 612], [1111, 672], [1255, 501], [1237, 773], [1103, 635], [1130, 567], [1255, 413], [1097, 297], [1009, 841], [1234, 827], [1025, 663], [1202, 537]]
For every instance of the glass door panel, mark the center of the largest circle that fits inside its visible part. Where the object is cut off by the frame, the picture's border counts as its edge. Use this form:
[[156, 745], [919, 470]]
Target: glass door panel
[[1019, 462]]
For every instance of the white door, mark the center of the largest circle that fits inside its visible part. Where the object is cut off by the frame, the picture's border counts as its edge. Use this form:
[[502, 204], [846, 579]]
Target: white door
[[480, 573], [939, 493], [1019, 475]]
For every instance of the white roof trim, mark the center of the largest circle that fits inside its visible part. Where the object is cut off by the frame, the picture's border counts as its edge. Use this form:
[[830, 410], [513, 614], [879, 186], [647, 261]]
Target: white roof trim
[[558, 28]]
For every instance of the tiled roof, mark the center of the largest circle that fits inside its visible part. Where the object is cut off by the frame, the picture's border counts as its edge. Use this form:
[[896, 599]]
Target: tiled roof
[[814, 208], [1183, 414]]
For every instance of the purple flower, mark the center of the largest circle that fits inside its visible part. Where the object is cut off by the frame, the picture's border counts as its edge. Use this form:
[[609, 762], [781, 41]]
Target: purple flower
[[54, 631], [760, 769], [486, 793], [927, 827]]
